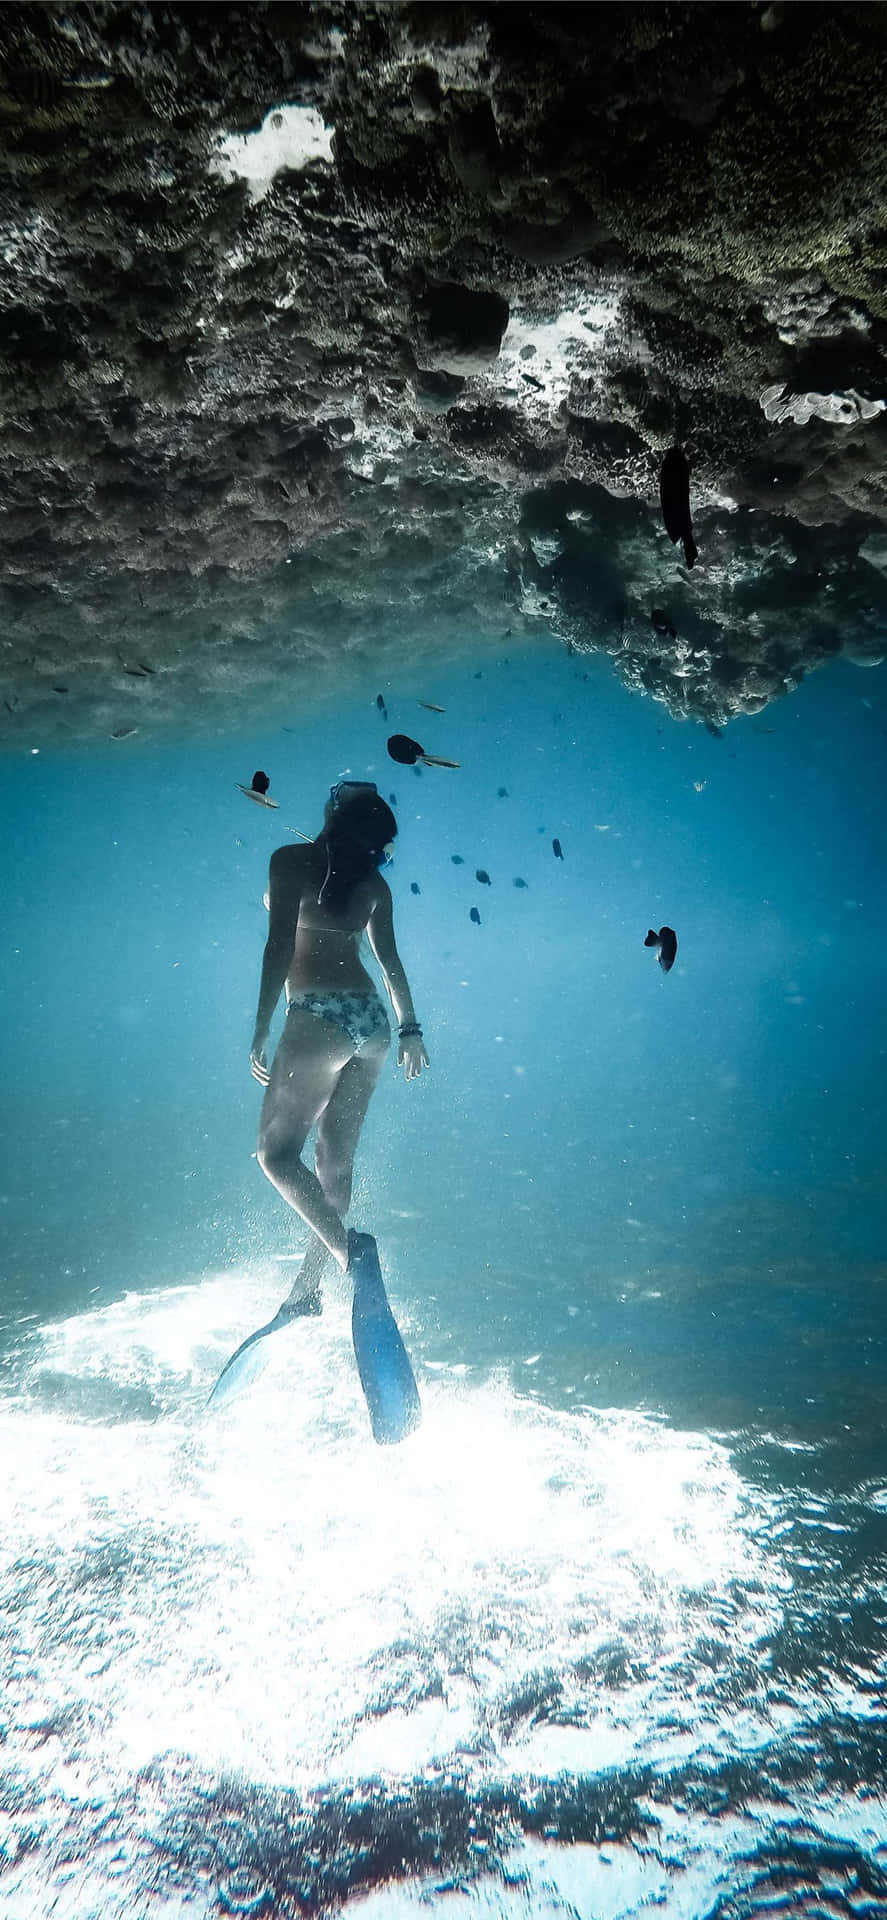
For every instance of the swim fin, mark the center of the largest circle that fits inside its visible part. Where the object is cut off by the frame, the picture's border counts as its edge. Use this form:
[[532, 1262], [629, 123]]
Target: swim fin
[[386, 1376], [251, 1359]]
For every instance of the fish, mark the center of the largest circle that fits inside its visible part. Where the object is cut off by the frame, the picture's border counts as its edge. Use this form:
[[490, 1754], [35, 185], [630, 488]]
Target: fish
[[123, 733], [717, 733], [518, 882], [430, 706], [415, 887], [662, 623], [258, 790], [481, 874], [407, 752], [674, 498], [380, 703], [475, 916], [393, 798], [557, 849], [667, 942], [457, 859], [699, 786], [502, 793]]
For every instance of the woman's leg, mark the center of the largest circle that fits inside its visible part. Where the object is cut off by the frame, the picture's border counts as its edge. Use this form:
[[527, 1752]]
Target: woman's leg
[[310, 1058], [340, 1123], [338, 1131], [304, 1294]]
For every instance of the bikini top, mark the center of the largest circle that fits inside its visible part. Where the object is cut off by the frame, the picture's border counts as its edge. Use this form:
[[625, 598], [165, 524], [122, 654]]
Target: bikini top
[[346, 933]]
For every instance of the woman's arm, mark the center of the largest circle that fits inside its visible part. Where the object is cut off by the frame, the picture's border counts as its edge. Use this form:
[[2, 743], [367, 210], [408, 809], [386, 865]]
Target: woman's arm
[[380, 932]]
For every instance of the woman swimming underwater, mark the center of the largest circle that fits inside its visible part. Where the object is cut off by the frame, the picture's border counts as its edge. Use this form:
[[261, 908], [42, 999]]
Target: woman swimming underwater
[[335, 1040]]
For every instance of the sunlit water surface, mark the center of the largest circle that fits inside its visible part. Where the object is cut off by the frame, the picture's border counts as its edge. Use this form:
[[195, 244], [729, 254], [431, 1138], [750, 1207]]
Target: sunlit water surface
[[608, 1632]]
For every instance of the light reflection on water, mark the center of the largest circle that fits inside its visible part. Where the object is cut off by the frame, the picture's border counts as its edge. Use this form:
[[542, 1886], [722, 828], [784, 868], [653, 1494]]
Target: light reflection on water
[[265, 1596]]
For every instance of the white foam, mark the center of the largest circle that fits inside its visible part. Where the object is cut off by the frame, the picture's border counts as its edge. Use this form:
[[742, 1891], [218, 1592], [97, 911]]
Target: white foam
[[778, 403], [290, 137], [268, 1590], [555, 353]]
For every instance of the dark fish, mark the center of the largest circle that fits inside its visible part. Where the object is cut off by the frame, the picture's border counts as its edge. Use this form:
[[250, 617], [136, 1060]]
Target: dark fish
[[662, 623], [717, 733], [430, 706], [518, 882], [475, 916], [417, 771], [457, 859], [482, 875], [393, 798], [557, 849], [503, 793], [479, 676], [407, 752], [674, 496], [380, 703], [667, 942], [415, 887], [258, 791]]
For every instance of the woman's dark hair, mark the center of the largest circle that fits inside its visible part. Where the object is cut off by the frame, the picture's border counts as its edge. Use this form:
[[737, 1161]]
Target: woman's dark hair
[[356, 837]]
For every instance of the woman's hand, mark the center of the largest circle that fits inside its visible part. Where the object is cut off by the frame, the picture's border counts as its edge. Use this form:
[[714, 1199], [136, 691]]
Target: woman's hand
[[258, 1066], [411, 1055]]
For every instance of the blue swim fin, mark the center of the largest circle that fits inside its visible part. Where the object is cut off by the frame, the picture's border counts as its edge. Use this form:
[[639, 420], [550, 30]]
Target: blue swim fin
[[386, 1376], [251, 1357]]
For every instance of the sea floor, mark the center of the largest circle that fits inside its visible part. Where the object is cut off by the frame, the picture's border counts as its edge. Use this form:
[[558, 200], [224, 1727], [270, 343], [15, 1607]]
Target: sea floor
[[555, 1655]]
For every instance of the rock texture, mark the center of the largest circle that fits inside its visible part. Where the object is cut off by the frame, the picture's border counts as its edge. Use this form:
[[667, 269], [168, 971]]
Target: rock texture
[[402, 371]]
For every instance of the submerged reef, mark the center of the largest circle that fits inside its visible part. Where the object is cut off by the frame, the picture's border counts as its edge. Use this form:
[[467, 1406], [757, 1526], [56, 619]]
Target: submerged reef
[[333, 334]]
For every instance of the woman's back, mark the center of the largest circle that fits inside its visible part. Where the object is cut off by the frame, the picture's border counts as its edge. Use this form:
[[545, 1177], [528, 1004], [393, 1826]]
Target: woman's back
[[326, 941]]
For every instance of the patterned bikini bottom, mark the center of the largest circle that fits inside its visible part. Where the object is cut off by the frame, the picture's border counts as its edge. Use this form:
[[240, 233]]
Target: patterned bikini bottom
[[360, 1016]]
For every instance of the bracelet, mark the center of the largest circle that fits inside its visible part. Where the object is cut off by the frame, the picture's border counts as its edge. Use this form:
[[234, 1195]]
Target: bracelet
[[411, 1030]]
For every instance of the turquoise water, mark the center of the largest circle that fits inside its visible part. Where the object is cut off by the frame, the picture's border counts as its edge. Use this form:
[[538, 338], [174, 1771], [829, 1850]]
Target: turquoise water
[[609, 1631]]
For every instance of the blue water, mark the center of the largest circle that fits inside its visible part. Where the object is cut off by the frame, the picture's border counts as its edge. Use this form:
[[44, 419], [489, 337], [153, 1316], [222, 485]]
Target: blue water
[[610, 1629]]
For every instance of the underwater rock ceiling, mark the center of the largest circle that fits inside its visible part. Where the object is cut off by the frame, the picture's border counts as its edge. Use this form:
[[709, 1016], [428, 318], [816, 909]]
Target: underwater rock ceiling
[[338, 335]]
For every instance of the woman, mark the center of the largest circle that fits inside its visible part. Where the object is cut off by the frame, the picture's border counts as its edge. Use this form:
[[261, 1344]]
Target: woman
[[335, 1040]]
